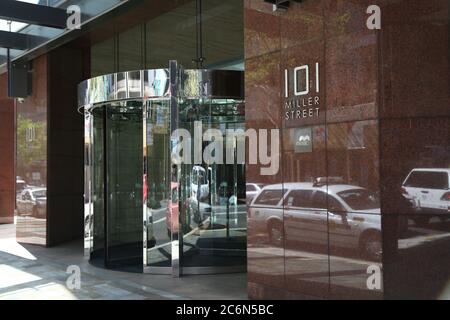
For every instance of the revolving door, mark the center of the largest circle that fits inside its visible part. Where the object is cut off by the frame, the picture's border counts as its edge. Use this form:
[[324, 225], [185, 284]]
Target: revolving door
[[146, 210]]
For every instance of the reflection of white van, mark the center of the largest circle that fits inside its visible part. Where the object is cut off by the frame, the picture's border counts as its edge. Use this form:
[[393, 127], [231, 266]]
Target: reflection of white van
[[428, 190], [199, 183]]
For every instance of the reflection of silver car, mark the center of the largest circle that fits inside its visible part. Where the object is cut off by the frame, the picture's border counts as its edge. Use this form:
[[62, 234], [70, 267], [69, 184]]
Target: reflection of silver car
[[308, 213], [252, 190], [32, 201]]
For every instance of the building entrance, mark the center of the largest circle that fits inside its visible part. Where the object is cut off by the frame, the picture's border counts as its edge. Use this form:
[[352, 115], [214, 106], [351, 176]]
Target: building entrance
[[145, 209]]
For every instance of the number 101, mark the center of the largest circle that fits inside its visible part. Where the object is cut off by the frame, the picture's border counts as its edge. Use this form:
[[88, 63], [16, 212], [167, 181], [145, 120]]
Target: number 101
[[299, 72]]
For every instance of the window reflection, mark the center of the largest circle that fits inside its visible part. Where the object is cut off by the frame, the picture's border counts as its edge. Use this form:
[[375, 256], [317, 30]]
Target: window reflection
[[31, 196], [213, 196], [161, 194]]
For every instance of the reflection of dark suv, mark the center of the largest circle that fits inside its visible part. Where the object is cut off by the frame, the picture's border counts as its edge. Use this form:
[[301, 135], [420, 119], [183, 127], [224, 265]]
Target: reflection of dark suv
[[32, 201]]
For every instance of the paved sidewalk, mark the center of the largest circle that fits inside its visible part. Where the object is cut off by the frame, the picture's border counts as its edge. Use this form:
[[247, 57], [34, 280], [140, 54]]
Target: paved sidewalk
[[33, 272]]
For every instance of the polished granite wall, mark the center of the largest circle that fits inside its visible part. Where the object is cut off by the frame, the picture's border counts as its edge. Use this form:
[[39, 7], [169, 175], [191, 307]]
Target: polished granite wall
[[50, 152], [383, 110], [31, 156], [7, 193], [68, 66], [414, 133]]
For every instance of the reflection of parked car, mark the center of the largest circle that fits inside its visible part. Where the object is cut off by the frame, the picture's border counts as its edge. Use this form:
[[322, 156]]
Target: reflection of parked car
[[428, 192], [32, 201], [252, 190], [308, 211], [199, 183], [172, 213], [20, 185]]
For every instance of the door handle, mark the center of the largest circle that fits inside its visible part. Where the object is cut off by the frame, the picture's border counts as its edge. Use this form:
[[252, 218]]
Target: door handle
[[425, 192]]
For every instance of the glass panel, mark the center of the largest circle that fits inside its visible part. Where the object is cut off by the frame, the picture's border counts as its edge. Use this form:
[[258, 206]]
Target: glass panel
[[124, 184], [223, 34], [102, 58], [212, 204], [88, 8], [4, 53], [130, 49], [88, 241], [171, 36], [97, 184], [136, 186], [31, 161], [162, 214]]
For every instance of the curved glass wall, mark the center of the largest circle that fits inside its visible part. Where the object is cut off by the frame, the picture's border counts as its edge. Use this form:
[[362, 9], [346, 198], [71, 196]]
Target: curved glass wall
[[145, 210]]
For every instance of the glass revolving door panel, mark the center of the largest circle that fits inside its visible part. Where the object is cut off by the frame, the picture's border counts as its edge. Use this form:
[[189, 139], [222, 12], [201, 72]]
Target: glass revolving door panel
[[116, 184], [159, 208], [212, 194], [124, 187], [143, 209], [95, 221]]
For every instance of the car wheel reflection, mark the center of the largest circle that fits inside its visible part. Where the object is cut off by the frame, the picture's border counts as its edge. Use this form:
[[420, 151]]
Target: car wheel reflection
[[275, 230], [371, 246]]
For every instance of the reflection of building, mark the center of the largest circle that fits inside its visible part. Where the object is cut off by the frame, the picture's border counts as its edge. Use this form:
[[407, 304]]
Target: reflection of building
[[382, 99]]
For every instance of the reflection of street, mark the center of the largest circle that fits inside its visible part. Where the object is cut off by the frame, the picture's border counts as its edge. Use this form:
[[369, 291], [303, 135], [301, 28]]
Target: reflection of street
[[159, 224], [212, 223], [31, 229], [344, 272], [308, 269], [421, 253], [417, 236], [159, 240]]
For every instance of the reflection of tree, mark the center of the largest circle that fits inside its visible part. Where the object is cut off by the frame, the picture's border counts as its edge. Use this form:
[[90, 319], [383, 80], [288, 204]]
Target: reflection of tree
[[31, 141], [98, 88]]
